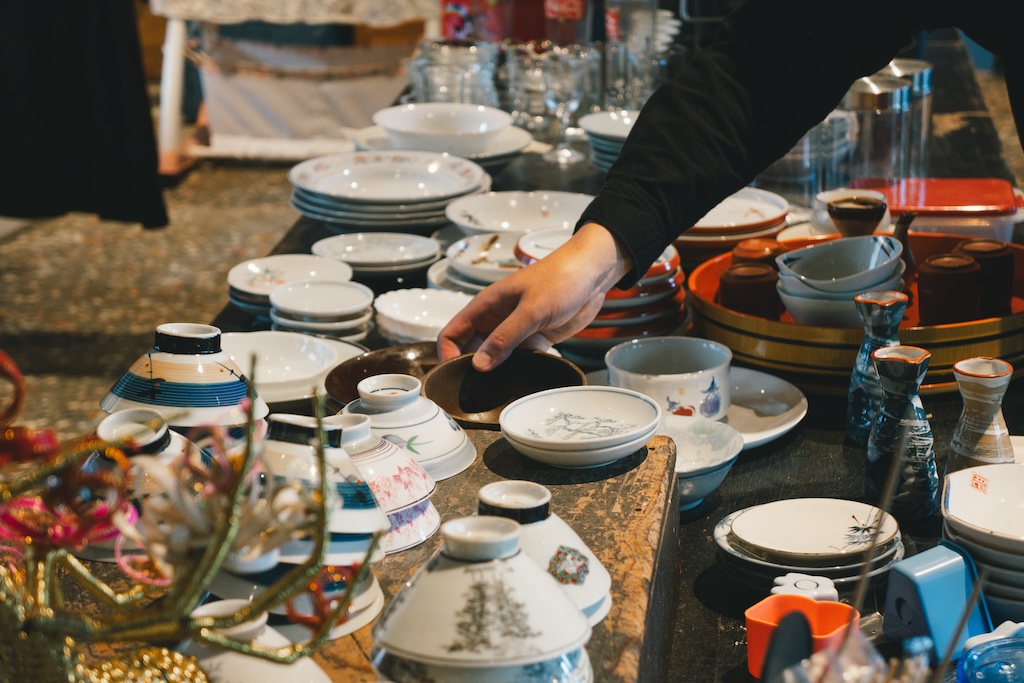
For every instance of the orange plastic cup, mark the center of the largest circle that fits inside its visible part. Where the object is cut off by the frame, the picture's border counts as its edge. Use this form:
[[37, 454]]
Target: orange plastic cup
[[828, 620]]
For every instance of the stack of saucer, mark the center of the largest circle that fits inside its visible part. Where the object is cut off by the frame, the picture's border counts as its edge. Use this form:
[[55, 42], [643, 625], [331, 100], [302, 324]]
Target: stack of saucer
[[655, 306], [472, 263], [819, 536], [334, 309], [411, 315], [606, 131], [377, 256], [746, 214], [250, 282], [383, 191]]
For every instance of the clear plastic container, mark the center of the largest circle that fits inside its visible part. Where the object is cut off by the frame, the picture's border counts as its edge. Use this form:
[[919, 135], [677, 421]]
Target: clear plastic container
[[997, 661]]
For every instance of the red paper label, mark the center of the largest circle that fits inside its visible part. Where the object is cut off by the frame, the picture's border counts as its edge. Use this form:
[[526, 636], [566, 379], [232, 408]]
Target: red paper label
[[569, 10], [979, 482]]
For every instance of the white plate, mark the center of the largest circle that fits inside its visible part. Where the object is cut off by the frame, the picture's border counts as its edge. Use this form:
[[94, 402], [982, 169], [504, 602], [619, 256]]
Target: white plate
[[818, 529], [378, 248], [322, 301], [746, 207], [764, 407], [516, 211], [360, 224], [388, 177], [539, 243], [440, 276], [418, 312], [485, 258], [260, 276], [508, 142], [612, 125]]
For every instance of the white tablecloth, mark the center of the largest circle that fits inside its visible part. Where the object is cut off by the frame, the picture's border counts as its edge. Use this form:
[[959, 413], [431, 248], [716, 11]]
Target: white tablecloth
[[367, 12]]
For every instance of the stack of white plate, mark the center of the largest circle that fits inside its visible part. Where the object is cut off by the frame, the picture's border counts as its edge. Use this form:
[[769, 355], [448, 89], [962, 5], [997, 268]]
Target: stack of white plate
[[375, 256], [666, 27], [405, 316], [251, 282], [981, 508], [819, 536], [508, 145], [517, 211], [334, 309], [383, 191], [474, 262], [745, 214], [606, 131]]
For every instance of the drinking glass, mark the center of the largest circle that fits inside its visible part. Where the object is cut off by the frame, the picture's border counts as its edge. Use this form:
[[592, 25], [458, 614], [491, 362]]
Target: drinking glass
[[565, 71]]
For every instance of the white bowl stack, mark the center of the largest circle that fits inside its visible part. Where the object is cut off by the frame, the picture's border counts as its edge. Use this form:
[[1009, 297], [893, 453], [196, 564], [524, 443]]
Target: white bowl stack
[[251, 282], [580, 427], [405, 316], [817, 536], [401, 190], [606, 131], [982, 511], [817, 283], [458, 128], [328, 308], [506, 146]]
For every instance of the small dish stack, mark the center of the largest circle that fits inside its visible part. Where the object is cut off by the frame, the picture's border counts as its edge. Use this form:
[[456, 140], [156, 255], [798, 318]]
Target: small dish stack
[[474, 262], [251, 282], [743, 215], [819, 536], [606, 131], [981, 511], [376, 256], [405, 316], [508, 145], [580, 427], [383, 191], [334, 309], [654, 306]]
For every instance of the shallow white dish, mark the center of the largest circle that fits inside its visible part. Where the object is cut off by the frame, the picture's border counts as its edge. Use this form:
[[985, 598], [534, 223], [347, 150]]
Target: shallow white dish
[[288, 365], [322, 300], [813, 529], [536, 245], [440, 276], [582, 458], [584, 417], [612, 125], [259, 276], [388, 177], [747, 208], [335, 329], [486, 257], [454, 127], [418, 312], [517, 211], [362, 249], [984, 504], [507, 143]]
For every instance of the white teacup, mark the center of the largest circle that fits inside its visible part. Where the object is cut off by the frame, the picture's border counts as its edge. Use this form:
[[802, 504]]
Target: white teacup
[[685, 375]]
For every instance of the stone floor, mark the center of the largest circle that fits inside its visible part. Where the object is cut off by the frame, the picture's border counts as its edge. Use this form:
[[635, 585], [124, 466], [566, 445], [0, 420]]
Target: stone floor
[[80, 297]]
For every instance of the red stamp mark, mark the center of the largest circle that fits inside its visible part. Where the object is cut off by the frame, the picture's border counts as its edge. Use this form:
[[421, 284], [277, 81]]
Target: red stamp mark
[[979, 482]]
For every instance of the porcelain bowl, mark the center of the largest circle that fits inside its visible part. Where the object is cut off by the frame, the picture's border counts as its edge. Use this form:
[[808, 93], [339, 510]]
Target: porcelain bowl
[[415, 359], [843, 265], [517, 211], [453, 127], [572, 667], [476, 399], [702, 445], [322, 300], [694, 488], [416, 313], [984, 505], [581, 458], [584, 418], [820, 311], [288, 364], [796, 287]]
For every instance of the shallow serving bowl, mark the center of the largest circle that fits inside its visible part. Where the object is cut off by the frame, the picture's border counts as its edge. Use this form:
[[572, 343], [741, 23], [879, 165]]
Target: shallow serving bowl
[[797, 287], [984, 504], [418, 313], [580, 418], [517, 211], [582, 458], [288, 364], [453, 127], [842, 265], [824, 312]]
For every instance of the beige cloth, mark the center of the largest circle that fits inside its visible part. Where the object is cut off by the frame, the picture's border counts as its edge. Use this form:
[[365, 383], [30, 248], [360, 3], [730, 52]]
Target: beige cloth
[[367, 12]]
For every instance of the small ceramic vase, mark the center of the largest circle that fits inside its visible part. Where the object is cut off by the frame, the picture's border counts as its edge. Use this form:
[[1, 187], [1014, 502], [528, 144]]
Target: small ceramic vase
[[481, 607], [188, 378], [551, 543], [881, 313], [981, 436], [399, 413], [902, 436]]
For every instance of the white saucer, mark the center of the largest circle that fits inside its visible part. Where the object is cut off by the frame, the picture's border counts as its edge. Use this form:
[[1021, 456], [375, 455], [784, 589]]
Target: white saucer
[[764, 407]]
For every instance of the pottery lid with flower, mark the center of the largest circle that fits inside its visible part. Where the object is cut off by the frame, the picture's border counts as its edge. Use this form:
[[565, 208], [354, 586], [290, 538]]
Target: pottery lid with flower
[[187, 377], [486, 604]]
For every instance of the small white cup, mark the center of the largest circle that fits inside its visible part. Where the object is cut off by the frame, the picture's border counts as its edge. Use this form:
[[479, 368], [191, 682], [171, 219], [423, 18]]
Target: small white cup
[[685, 375]]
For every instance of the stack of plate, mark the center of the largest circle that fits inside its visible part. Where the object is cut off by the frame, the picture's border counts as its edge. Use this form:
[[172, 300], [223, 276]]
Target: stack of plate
[[655, 306], [747, 213], [377, 256], [508, 144], [981, 508], [606, 131], [517, 211], [383, 191], [474, 262], [251, 282], [334, 309], [818, 536], [405, 316]]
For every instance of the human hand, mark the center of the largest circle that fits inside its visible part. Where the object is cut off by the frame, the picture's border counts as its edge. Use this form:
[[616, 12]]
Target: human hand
[[539, 305]]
